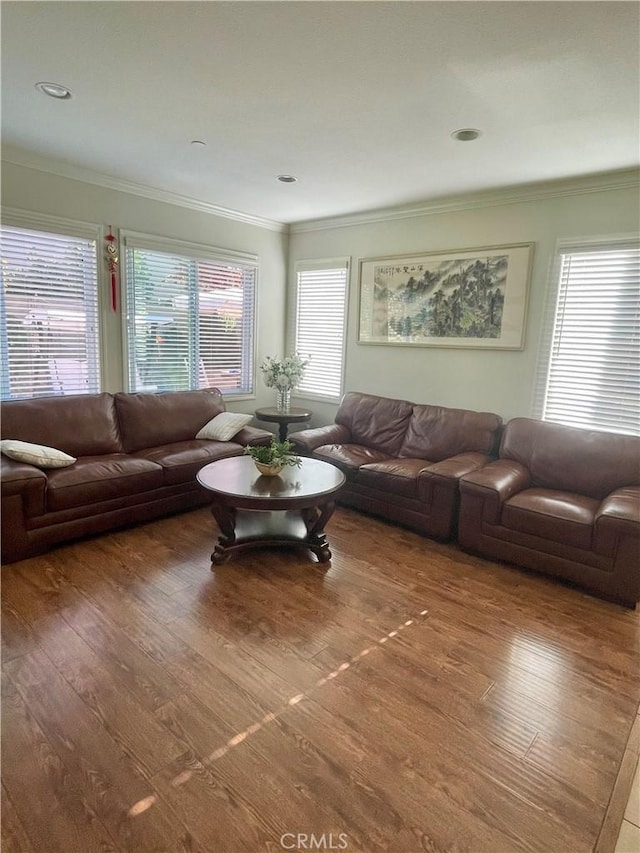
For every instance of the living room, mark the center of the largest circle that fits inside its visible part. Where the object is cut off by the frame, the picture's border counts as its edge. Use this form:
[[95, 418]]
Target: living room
[[497, 710]]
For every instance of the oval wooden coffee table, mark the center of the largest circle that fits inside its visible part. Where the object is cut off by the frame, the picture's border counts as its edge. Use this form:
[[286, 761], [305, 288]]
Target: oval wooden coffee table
[[252, 510]]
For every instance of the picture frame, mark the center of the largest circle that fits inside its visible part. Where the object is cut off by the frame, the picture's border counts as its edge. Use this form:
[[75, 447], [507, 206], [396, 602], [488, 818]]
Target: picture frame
[[470, 298]]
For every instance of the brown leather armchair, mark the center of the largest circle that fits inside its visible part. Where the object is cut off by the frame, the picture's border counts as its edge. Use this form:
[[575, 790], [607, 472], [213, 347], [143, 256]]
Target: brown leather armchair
[[562, 501]]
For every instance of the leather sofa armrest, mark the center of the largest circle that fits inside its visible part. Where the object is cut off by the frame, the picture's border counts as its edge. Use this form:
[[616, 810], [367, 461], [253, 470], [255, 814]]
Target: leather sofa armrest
[[25, 481], [484, 491], [252, 435], [505, 477], [456, 466], [305, 441], [618, 517], [623, 505], [438, 490]]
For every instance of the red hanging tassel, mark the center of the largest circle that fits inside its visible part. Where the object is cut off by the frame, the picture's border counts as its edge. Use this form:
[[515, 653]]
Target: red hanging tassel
[[112, 263]]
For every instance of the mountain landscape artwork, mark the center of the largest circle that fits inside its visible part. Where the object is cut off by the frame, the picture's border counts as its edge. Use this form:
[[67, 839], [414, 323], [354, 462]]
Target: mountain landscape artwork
[[458, 298], [468, 298]]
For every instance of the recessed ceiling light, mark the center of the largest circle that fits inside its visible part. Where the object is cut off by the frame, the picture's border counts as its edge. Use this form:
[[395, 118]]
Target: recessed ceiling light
[[466, 134], [198, 143], [287, 179], [54, 90]]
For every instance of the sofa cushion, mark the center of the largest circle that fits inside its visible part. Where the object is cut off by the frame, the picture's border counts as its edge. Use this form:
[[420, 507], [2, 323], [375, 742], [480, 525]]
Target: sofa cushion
[[556, 515], [35, 454], [224, 426], [81, 425], [152, 420], [393, 476], [181, 461], [349, 457], [99, 478], [437, 432], [571, 459], [376, 422]]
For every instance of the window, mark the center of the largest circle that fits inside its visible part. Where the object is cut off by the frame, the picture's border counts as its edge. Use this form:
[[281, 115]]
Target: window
[[189, 316], [321, 290], [49, 341], [591, 375]]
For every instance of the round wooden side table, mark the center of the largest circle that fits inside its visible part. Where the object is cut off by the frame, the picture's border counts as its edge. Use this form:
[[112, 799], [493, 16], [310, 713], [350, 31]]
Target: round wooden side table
[[294, 416]]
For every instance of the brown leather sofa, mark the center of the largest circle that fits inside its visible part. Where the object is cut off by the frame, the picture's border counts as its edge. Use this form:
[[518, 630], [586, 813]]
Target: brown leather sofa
[[137, 457], [562, 501], [403, 461]]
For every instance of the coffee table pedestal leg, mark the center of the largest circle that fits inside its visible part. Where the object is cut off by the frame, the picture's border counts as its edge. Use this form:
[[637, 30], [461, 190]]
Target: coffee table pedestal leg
[[315, 520], [242, 529], [225, 517]]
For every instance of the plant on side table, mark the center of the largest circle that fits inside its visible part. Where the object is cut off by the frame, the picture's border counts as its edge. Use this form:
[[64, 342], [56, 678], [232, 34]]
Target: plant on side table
[[270, 459]]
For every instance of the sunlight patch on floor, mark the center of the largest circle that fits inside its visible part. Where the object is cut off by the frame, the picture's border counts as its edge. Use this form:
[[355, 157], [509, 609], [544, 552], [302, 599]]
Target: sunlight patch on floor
[[184, 777]]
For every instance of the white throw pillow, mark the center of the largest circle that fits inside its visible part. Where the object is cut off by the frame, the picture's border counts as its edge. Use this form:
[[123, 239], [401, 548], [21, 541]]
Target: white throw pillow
[[35, 454], [224, 426]]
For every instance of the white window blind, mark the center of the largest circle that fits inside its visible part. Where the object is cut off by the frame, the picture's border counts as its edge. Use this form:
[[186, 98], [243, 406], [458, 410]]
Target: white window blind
[[49, 337], [593, 373], [319, 330], [190, 321]]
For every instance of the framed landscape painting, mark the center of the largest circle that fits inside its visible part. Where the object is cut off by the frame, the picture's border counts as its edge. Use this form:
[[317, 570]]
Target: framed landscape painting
[[467, 298]]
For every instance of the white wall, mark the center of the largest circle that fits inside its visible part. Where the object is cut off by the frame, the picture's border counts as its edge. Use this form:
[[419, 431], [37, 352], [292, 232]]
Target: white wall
[[41, 192], [488, 380], [499, 381]]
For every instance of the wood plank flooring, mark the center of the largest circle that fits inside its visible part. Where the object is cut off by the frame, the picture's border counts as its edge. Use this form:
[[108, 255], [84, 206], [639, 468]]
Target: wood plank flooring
[[408, 697]]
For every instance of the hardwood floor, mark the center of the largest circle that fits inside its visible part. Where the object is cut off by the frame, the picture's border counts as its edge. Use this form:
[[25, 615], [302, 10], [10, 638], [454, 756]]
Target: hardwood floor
[[408, 697]]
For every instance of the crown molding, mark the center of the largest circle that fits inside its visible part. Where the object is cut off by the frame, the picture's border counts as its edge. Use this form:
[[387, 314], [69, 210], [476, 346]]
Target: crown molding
[[622, 179], [76, 173], [607, 181]]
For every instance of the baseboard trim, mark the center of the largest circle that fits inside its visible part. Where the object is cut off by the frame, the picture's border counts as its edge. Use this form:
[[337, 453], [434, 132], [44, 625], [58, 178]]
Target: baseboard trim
[[617, 805]]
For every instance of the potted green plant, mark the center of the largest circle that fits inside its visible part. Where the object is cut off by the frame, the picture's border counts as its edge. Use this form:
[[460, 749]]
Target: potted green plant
[[270, 459]]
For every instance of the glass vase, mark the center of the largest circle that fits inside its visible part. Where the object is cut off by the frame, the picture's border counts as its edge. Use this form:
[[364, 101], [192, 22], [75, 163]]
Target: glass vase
[[283, 400]]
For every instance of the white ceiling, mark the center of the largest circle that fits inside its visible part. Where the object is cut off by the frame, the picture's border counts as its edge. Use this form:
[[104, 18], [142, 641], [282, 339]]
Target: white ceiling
[[355, 98]]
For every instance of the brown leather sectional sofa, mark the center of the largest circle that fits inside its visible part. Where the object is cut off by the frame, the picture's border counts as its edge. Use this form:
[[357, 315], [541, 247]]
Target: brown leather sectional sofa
[[403, 461], [559, 500], [137, 457], [562, 501]]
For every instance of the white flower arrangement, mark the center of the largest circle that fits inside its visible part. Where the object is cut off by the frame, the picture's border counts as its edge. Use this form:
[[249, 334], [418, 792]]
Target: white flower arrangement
[[285, 373]]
